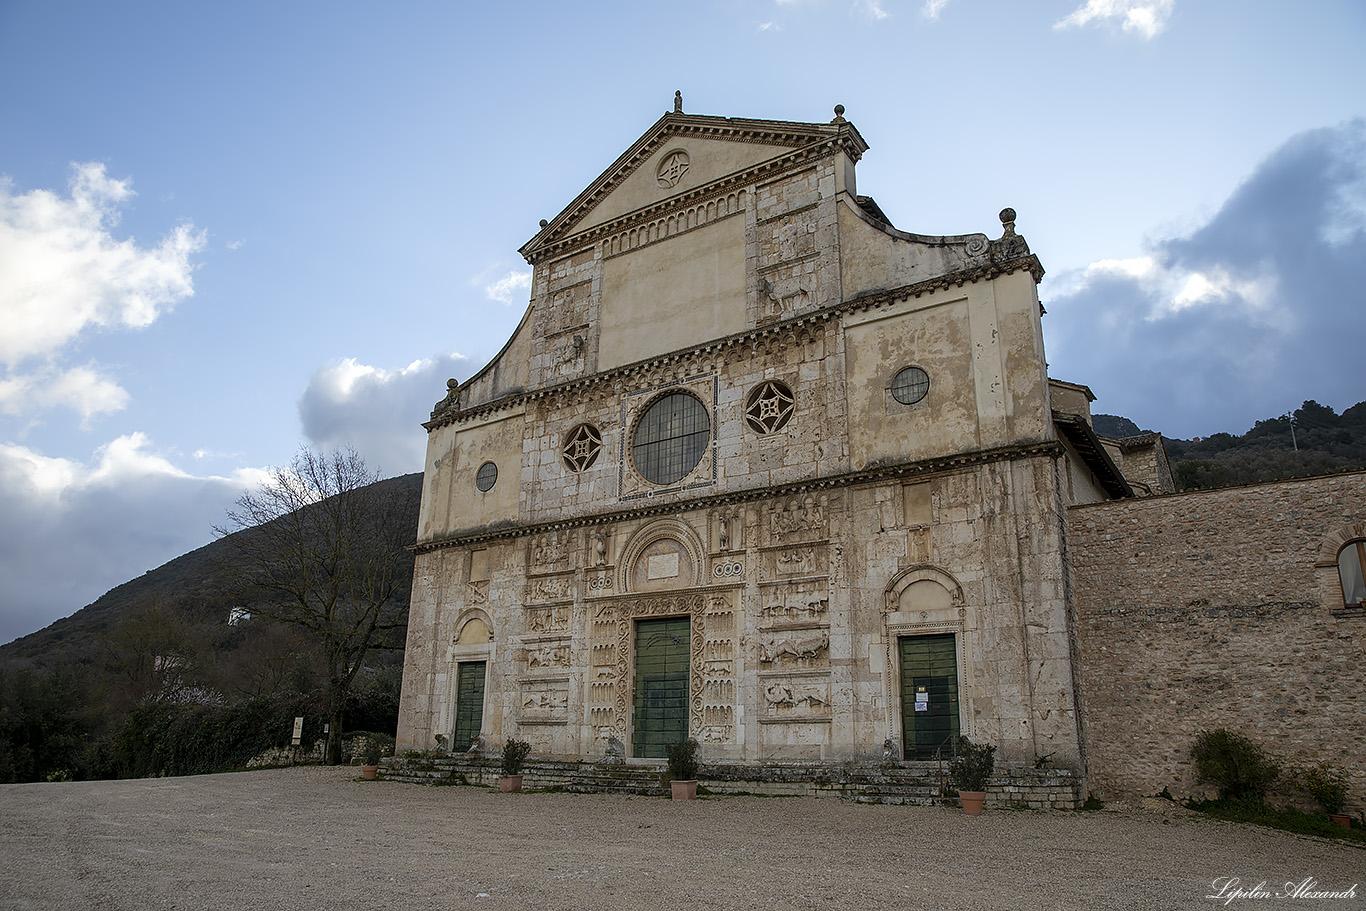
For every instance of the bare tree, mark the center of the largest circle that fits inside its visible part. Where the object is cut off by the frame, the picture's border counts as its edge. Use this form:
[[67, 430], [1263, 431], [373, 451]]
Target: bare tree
[[320, 547]]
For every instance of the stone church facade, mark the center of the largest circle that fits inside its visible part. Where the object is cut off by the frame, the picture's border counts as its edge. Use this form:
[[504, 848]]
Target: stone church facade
[[759, 468]]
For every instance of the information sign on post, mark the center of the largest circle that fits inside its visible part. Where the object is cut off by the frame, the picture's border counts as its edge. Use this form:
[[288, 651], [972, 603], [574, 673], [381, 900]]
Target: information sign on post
[[298, 731]]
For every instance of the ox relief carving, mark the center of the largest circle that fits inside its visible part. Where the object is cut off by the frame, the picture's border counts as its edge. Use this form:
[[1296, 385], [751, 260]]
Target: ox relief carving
[[800, 518], [545, 703], [800, 605], [795, 650], [797, 698], [548, 553], [548, 619], [547, 656]]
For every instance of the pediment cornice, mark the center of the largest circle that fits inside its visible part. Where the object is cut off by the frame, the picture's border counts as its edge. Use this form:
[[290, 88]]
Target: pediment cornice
[[802, 138]]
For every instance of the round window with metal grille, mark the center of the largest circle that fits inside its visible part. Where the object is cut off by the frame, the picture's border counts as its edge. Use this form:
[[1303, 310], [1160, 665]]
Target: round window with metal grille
[[670, 438], [769, 407], [910, 385], [486, 476], [581, 447]]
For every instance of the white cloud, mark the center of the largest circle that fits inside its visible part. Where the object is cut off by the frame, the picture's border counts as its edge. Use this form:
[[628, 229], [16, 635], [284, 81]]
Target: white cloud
[[1173, 288], [74, 529], [933, 8], [872, 8], [504, 289], [375, 411], [770, 26], [61, 270], [1146, 18], [84, 390]]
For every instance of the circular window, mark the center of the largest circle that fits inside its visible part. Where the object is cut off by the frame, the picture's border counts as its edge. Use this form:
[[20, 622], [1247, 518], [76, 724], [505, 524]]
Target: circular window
[[582, 446], [670, 438], [486, 476], [769, 407], [910, 385]]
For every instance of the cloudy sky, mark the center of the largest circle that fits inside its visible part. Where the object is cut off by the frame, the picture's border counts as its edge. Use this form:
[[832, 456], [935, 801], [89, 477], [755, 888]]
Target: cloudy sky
[[230, 230]]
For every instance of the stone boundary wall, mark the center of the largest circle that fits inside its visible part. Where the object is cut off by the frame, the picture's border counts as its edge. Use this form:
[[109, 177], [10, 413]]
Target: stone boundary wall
[[1219, 609]]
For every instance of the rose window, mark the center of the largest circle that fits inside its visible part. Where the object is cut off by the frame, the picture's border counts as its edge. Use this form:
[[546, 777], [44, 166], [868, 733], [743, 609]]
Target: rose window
[[770, 407], [582, 447]]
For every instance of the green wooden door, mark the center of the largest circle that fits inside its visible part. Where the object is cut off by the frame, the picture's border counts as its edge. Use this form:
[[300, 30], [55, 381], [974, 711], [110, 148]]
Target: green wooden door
[[469, 703], [661, 696], [929, 695]]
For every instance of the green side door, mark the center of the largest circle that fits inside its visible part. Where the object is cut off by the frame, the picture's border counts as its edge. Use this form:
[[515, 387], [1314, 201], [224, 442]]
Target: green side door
[[929, 695], [661, 690], [469, 704]]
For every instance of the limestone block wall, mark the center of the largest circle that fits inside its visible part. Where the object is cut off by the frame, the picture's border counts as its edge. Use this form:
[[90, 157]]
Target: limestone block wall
[[1216, 609]]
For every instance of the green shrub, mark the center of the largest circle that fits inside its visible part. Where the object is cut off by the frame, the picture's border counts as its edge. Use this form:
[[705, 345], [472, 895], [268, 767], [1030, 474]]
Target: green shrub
[[1325, 784], [971, 769], [683, 762], [1234, 763], [514, 754]]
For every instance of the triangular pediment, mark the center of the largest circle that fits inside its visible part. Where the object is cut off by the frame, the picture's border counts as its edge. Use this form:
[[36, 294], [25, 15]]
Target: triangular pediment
[[680, 154]]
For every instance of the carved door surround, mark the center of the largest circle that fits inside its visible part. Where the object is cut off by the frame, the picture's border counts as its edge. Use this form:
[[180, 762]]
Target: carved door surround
[[712, 658], [921, 600]]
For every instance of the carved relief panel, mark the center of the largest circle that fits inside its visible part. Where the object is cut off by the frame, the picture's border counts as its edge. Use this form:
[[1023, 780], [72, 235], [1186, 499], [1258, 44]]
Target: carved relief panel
[[796, 561], [545, 703], [551, 619], [802, 604], [719, 671], [548, 553], [799, 518], [547, 655]]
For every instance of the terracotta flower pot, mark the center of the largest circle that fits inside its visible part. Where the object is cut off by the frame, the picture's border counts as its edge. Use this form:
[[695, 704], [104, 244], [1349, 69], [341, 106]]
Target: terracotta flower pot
[[1341, 819], [369, 772], [684, 790], [510, 783], [972, 801]]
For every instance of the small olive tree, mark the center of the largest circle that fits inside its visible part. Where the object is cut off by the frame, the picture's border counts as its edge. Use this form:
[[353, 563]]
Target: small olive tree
[[321, 547]]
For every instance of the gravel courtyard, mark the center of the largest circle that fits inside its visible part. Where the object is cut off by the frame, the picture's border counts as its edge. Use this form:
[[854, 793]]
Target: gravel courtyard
[[318, 838]]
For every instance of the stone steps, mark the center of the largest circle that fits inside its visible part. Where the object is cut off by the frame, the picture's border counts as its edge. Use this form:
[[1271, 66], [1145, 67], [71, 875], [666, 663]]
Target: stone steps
[[912, 783]]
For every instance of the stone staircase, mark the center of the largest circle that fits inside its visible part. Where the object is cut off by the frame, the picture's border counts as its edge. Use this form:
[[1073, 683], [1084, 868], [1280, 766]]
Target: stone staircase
[[915, 783]]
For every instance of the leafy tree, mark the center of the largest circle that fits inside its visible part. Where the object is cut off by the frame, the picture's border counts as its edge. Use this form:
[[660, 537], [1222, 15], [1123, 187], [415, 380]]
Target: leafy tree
[[325, 556], [42, 728]]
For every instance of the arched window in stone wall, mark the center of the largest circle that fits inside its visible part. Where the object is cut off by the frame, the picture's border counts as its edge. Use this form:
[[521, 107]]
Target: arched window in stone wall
[[1352, 573]]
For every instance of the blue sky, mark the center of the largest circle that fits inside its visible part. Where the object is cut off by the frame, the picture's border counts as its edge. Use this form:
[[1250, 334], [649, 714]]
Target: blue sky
[[228, 231]]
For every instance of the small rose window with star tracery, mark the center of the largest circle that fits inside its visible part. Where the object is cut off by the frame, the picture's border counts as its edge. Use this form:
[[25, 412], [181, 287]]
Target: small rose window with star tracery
[[582, 446], [769, 407]]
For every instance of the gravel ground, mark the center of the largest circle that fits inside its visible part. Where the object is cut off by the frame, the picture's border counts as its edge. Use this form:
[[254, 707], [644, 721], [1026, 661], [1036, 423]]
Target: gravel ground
[[319, 838]]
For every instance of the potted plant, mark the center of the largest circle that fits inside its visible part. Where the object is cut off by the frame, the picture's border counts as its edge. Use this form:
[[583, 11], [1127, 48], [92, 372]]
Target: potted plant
[[514, 755], [970, 772], [683, 769], [1328, 786], [370, 755]]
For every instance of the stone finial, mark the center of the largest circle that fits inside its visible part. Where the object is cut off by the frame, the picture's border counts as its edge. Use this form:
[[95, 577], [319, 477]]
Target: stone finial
[[452, 383], [678, 102], [1008, 221], [544, 222], [839, 114]]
